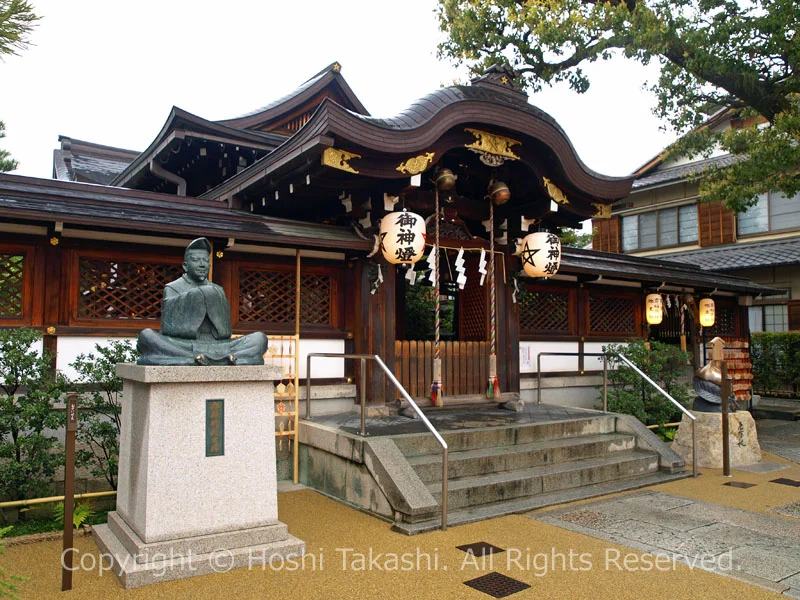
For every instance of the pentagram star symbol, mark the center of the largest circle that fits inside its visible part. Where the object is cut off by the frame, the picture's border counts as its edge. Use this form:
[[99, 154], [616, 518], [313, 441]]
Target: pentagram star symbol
[[527, 255], [504, 80]]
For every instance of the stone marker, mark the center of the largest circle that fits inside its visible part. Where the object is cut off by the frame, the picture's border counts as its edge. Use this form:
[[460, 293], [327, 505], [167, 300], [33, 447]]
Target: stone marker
[[743, 441]]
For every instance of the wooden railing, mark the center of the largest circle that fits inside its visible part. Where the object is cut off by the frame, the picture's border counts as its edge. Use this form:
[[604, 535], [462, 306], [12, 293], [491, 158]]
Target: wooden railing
[[465, 367]]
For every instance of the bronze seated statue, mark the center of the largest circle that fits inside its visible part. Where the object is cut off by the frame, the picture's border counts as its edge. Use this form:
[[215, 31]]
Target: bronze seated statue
[[707, 384], [196, 321]]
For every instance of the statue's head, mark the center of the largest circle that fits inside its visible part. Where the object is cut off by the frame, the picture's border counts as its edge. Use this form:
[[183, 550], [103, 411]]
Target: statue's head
[[196, 259]]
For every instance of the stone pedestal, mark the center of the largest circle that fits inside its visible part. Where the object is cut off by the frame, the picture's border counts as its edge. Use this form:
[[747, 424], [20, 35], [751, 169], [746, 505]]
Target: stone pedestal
[[182, 510], [743, 439]]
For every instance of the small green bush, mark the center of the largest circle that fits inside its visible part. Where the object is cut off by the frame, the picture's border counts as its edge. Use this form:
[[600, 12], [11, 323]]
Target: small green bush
[[776, 360], [29, 454], [83, 511], [101, 407], [630, 394]]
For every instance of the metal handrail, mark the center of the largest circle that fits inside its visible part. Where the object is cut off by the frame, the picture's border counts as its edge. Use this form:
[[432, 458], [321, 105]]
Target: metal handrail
[[605, 389], [671, 399], [363, 394]]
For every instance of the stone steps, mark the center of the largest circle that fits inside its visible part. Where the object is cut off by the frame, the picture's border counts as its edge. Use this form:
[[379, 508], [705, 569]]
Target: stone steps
[[496, 487], [530, 503], [480, 461], [492, 437]]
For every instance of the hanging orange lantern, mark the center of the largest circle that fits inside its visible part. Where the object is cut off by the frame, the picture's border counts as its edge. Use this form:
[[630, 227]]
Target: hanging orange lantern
[[402, 237], [707, 311], [541, 254], [654, 309]]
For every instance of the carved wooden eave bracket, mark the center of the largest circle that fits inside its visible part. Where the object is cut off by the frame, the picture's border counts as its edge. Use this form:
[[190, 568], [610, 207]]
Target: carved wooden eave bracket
[[554, 191], [416, 164], [602, 211], [493, 149], [339, 159]]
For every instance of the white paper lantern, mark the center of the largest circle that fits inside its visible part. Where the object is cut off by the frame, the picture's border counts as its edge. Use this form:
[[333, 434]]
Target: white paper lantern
[[654, 309], [707, 312], [541, 254], [402, 237]]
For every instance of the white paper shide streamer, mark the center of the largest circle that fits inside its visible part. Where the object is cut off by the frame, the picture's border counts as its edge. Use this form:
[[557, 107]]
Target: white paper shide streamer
[[461, 279], [482, 265], [432, 265], [378, 281], [411, 274]]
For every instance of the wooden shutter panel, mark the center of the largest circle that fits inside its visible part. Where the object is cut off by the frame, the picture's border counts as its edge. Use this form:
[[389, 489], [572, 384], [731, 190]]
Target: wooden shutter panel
[[716, 224], [605, 234], [794, 315]]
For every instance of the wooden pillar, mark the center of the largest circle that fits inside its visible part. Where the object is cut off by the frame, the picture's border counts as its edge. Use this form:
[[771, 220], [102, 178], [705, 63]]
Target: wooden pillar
[[510, 332], [355, 342], [389, 328], [373, 310], [52, 290]]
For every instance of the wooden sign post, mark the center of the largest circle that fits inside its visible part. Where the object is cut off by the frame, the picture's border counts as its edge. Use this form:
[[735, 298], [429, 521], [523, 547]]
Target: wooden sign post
[[718, 354], [69, 492]]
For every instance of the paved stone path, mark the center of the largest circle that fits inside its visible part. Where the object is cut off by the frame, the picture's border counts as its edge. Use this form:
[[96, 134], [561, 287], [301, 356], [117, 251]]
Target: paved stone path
[[780, 437], [756, 548]]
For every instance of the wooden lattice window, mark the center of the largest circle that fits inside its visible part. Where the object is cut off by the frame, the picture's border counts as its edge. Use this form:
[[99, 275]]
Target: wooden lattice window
[[111, 289], [724, 321], [612, 315], [268, 296], [545, 312], [12, 285]]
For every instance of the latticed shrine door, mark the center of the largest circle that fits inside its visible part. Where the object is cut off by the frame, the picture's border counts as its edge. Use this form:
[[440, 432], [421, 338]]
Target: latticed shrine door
[[473, 320]]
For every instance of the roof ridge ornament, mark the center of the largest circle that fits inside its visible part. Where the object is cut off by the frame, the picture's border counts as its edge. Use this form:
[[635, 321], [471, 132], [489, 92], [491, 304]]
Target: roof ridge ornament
[[501, 76]]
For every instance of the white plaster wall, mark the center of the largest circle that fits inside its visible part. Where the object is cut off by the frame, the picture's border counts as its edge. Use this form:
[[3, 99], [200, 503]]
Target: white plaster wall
[[595, 363], [579, 391], [322, 367], [529, 350]]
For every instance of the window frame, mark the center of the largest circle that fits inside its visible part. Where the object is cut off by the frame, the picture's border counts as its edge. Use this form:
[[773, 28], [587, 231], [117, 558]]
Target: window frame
[[334, 271], [74, 257], [658, 245], [28, 252], [769, 217]]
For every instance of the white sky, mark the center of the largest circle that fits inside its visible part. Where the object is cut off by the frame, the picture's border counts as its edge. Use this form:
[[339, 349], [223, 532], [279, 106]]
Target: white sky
[[109, 72]]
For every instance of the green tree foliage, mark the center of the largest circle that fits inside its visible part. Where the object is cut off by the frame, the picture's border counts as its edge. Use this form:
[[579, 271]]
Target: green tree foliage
[[17, 20], [100, 407], [28, 454], [6, 162], [574, 238], [737, 54], [629, 393]]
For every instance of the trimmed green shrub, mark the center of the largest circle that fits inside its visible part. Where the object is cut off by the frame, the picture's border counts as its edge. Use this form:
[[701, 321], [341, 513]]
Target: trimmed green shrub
[[101, 407], [29, 454], [629, 393], [776, 360]]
